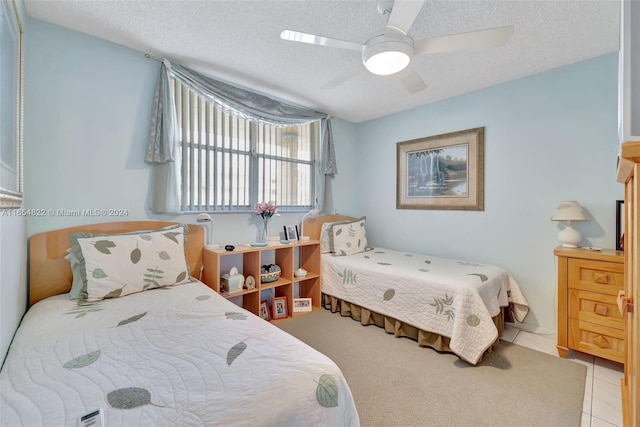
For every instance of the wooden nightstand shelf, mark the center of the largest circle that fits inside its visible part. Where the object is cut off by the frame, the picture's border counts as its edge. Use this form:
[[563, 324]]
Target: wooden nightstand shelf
[[248, 260], [588, 317]]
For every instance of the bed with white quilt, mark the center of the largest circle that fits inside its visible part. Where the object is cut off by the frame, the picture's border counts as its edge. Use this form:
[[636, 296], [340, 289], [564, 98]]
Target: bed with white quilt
[[447, 304], [168, 351]]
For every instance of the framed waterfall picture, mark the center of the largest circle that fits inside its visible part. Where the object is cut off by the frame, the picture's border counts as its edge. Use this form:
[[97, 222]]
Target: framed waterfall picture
[[443, 172]]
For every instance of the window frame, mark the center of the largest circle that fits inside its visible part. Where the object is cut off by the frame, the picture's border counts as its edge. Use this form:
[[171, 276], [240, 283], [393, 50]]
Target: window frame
[[193, 138]]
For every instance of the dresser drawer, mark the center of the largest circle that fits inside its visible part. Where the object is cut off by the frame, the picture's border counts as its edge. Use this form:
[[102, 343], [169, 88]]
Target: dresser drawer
[[597, 340], [596, 276], [601, 309]]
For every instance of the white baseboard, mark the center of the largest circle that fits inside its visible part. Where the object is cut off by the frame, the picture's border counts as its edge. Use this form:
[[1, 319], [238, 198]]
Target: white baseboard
[[533, 329]]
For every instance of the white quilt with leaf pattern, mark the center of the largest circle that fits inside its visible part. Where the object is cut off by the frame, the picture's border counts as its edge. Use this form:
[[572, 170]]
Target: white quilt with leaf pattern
[[175, 356], [453, 298]]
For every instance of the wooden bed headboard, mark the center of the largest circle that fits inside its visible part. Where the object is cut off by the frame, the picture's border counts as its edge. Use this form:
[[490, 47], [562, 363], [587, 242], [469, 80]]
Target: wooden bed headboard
[[313, 226], [50, 274]]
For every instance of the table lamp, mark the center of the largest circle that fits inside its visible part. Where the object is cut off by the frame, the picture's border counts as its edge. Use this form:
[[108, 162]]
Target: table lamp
[[208, 224], [311, 212], [569, 211]]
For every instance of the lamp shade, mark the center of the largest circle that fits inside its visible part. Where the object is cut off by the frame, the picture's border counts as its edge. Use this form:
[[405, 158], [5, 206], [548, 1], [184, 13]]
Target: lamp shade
[[569, 211]]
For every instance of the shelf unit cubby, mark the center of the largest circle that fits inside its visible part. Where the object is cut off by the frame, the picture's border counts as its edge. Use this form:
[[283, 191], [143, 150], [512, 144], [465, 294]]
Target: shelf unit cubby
[[249, 260]]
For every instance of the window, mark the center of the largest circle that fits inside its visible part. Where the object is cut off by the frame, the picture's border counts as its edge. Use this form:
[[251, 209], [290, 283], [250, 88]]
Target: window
[[231, 163]]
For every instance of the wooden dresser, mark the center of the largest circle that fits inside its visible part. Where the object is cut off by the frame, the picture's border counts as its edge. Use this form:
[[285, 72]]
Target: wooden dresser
[[628, 173], [588, 317]]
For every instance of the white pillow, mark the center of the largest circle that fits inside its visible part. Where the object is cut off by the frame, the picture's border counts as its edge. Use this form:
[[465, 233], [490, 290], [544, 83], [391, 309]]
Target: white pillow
[[348, 238], [325, 238], [122, 264]]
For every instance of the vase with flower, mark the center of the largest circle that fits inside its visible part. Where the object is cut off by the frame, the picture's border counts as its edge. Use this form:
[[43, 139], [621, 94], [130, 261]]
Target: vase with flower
[[266, 211]]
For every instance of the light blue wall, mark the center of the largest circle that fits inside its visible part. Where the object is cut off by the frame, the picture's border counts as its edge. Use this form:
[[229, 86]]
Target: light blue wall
[[13, 265], [548, 138], [88, 115], [87, 119]]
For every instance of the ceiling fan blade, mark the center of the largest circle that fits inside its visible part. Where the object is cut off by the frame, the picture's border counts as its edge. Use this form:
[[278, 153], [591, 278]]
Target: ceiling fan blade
[[341, 78], [412, 81], [403, 14], [297, 36], [465, 41]]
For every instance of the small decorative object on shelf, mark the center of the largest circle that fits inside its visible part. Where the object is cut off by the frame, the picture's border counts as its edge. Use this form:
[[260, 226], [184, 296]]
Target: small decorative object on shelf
[[301, 304], [229, 248], [232, 281], [265, 313], [266, 211], [250, 282], [280, 308], [291, 232], [301, 272], [269, 273]]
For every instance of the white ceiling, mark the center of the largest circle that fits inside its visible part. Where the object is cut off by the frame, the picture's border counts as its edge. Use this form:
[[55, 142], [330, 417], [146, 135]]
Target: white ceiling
[[239, 41]]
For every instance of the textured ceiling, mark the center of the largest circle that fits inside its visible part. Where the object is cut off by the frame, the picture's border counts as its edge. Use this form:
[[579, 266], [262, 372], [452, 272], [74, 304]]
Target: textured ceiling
[[239, 41]]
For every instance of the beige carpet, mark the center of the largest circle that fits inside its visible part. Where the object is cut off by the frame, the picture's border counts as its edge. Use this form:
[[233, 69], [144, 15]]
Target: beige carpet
[[395, 382]]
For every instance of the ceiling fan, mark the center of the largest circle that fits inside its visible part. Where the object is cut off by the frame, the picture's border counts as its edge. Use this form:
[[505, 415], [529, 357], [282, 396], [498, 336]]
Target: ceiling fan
[[390, 50]]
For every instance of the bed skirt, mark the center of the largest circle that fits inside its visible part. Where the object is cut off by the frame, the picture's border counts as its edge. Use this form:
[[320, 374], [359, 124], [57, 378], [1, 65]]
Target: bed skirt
[[396, 327]]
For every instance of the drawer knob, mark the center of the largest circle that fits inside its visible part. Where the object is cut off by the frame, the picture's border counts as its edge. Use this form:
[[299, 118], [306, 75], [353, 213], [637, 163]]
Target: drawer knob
[[625, 305], [601, 342], [601, 278], [601, 309]]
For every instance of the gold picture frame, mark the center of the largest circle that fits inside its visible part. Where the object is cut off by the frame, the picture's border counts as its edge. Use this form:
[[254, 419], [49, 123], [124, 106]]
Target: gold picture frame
[[11, 63], [444, 172]]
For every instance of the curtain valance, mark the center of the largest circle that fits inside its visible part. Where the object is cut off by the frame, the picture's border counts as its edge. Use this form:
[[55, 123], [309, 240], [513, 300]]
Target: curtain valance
[[250, 105]]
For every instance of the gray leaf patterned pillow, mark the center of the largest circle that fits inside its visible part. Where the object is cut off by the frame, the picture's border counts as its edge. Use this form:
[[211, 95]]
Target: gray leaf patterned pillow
[[349, 238], [122, 264]]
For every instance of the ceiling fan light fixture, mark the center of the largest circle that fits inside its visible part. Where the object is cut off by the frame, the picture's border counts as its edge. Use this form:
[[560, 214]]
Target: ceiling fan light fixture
[[387, 57], [387, 63]]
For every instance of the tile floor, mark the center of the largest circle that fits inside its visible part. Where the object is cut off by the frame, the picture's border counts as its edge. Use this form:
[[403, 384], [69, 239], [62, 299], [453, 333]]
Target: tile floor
[[602, 406]]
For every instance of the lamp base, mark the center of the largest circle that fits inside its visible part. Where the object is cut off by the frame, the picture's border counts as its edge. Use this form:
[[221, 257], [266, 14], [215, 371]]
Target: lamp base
[[570, 237], [568, 245]]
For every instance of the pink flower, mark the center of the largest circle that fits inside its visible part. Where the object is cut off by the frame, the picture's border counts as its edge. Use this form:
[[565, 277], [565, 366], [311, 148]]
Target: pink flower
[[266, 210]]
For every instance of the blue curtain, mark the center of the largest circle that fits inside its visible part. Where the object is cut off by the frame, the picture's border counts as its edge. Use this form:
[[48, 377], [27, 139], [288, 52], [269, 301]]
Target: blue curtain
[[163, 151]]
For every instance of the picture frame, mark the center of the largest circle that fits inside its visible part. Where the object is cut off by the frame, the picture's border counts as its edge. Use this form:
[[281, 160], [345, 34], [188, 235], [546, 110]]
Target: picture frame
[[619, 225], [279, 309], [11, 109], [302, 305], [441, 172], [291, 232], [265, 312]]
